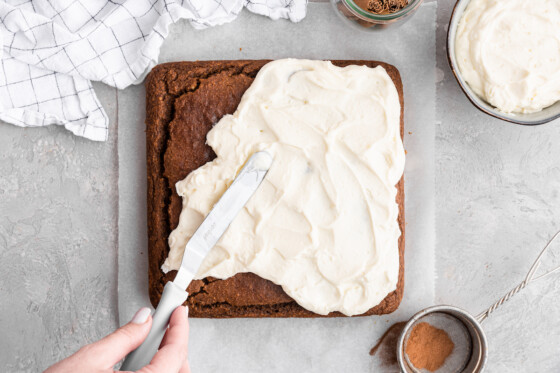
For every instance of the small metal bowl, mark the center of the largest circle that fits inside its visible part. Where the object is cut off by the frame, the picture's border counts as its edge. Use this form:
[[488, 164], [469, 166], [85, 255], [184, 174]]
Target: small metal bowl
[[361, 19], [471, 348], [544, 116]]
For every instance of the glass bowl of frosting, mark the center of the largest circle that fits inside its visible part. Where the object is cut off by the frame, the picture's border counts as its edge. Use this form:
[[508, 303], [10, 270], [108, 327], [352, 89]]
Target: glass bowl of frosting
[[375, 15], [505, 55]]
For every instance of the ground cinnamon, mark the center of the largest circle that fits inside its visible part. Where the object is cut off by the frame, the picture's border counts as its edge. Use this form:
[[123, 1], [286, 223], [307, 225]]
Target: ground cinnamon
[[428, 347], [386, 347]]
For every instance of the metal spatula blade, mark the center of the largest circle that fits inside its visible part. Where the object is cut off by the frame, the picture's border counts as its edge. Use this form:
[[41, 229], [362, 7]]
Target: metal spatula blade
[[206, 236]]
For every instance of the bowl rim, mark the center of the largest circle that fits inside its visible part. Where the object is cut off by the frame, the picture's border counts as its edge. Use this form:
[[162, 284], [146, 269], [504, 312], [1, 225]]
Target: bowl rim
[[473, 100], [455, 311]]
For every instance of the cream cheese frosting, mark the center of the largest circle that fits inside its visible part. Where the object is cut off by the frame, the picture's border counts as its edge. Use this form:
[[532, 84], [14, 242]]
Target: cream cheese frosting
[[323, 224], [508, 51]]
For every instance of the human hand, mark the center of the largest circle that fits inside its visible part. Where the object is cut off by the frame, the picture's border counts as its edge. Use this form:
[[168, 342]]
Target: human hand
[[101, 356]]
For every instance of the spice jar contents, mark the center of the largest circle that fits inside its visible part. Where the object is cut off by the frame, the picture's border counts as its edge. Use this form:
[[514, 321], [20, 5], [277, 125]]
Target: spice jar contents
[[381, 6], [428, 347]]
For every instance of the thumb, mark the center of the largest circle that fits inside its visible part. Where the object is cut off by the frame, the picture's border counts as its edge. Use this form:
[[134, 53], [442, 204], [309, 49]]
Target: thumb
[[114, 347]]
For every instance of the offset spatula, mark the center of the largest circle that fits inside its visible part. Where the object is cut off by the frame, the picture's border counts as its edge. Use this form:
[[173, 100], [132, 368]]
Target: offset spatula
[[205, 237]]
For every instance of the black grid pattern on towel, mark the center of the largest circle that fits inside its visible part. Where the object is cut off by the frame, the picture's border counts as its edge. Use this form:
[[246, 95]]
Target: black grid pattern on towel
[[53, 49]]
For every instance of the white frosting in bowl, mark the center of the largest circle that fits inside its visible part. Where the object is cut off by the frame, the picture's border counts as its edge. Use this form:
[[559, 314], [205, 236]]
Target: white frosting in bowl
[[508, 52], [323, 224]]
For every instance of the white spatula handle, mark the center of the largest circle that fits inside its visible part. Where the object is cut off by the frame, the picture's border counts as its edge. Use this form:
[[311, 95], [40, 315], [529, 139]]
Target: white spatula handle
[[173, 296]]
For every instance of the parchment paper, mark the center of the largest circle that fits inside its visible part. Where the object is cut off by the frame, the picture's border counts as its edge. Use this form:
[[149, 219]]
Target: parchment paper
[[299, 345]]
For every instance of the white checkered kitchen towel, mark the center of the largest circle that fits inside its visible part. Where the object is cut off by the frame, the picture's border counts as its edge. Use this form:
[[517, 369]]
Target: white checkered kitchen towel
[[52, 50]]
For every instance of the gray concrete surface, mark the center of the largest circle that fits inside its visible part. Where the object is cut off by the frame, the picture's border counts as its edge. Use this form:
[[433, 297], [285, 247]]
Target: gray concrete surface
[[58, 241], [497, 203]]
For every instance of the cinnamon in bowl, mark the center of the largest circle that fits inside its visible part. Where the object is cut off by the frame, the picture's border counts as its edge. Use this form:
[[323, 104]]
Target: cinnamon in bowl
[[428, 347]]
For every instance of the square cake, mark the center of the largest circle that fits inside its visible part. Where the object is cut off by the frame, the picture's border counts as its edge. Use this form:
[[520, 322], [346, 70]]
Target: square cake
[[184, 100]]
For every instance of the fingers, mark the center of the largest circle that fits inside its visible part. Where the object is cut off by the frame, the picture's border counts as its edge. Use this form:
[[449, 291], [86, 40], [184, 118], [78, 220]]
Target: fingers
[[185, 368], [172, 355], [108, 351], [165, 339]]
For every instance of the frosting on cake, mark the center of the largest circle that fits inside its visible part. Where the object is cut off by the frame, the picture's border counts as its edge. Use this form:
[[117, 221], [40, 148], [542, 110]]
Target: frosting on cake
[[323, 224]]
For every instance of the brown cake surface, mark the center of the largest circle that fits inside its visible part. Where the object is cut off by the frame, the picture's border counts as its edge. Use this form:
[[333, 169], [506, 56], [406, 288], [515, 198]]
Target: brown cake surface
[[183, 101]]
